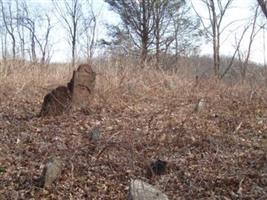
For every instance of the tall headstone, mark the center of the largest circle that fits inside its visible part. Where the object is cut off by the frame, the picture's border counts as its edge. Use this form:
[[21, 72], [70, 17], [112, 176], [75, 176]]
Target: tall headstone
[[78, 93], [82, 86]]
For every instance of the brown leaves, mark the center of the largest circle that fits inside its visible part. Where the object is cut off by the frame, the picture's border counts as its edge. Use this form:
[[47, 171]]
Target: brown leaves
[[220, 153]]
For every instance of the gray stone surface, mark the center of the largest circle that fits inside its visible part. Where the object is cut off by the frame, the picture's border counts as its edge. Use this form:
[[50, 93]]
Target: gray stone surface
[[95, 134], [200, 106], [82, 86], [51, 172], [140, 190]]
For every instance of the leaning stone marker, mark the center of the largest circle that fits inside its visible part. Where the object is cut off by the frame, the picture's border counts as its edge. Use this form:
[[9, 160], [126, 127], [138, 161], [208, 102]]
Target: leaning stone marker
[[51, 172], [56, 102], [82, 86], [78, 93], [140, 190]]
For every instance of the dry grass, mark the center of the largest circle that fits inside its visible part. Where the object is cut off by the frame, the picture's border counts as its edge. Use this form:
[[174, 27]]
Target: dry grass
[[143, 115]]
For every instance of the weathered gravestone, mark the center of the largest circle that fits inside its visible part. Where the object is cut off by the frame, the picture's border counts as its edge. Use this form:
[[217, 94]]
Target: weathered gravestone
[[78, 93], [51, 172], [82, 86], [200, 106]]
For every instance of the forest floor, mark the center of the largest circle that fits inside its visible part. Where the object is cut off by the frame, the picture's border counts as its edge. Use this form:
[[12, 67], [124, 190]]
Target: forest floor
[[217, 153]]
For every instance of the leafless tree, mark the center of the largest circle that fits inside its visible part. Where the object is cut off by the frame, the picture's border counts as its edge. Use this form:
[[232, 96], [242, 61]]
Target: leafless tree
[[31, 20], [137, 21], [165, 13], [159, 13], [4, 68], [186, 31], [244, 56], [9, 24], [3, 43], [20, 14], [216, 12], [43, 43], [148, 25], [29, 23], [88, 31], [70, 12]]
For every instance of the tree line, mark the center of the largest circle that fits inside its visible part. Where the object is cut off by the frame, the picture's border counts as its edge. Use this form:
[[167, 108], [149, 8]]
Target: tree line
[[28, 31], [148, 29]]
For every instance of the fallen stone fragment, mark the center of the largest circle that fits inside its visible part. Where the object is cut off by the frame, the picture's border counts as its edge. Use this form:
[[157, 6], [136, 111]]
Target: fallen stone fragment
[[51, 172], [140, 190], [94, 135], [157, 167], [56, 102]]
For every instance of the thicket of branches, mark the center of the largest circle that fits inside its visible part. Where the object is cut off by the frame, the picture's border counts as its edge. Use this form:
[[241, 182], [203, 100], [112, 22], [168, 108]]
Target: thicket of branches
[[152, 27]]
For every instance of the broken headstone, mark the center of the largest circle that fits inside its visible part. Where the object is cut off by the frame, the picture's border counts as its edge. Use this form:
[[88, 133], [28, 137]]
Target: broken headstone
[[56, 102], [82, 86], [140, 190], [77, 94]]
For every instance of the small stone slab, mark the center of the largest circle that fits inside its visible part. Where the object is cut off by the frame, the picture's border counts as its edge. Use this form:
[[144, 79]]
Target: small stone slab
[[95, 134], [51, 172], [140, 190], [200, 106]]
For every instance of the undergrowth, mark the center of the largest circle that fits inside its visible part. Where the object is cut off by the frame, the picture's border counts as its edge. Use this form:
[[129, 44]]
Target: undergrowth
[[143, 115]]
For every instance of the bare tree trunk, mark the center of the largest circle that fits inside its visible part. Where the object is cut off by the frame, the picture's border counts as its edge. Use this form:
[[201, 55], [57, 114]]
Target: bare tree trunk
[[214, 29], [176, 45], [3, 46], [44, 47], [74, 40], [216, 39], [33, 50], [71, 16], [9, 26], [20, 29], [30, 22], [217, 62], [145, 33], [254, 32], [92, 43], [22, 43], [4, 53], [73, 59], [157, 34]]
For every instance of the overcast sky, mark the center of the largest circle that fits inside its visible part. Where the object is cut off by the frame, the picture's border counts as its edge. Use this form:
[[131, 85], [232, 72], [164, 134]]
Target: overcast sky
[[240, 11]]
